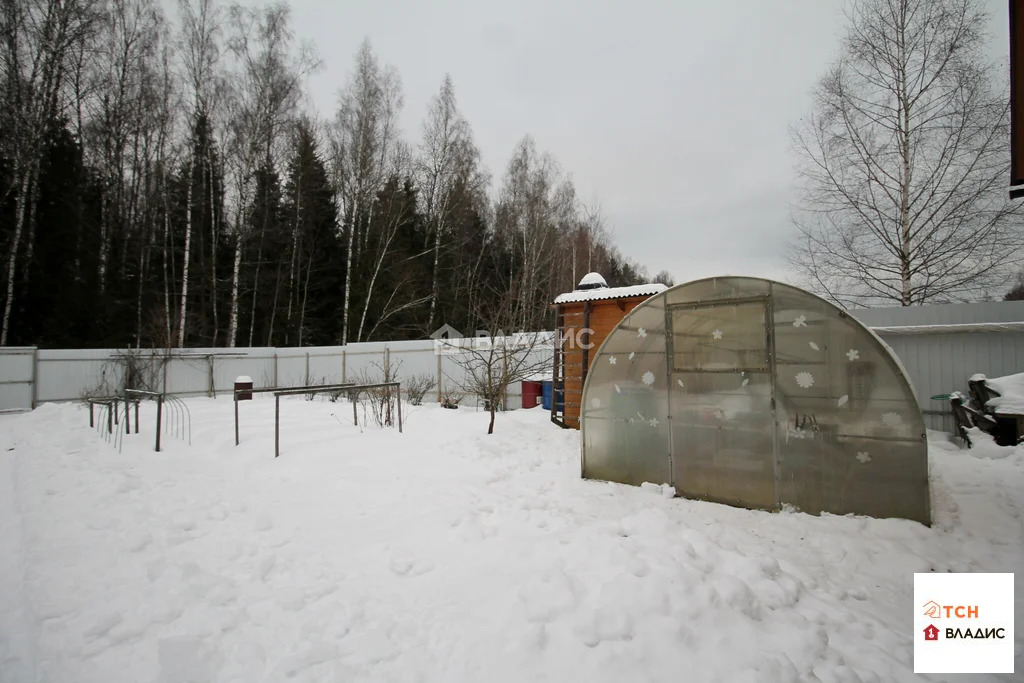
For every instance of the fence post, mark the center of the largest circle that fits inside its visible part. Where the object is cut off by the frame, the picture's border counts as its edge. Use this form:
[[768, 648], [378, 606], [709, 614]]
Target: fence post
[[307, 368], [136, 416], [159, 416], [343, 359], [277, 424], [387, 378], [127, 417], [275, 368], [399, 408], [235, 392], [91, 422], [438, 376], [35, 377], [212, 391]]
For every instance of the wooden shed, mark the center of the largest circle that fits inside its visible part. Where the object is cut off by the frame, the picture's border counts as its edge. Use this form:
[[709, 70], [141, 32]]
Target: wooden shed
[[583, 318]]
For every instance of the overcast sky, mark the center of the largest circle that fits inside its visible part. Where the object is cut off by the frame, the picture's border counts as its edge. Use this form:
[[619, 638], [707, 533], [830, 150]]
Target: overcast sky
[[673, 115]]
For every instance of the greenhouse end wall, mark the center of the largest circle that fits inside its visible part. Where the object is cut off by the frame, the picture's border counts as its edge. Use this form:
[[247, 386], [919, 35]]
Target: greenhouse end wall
[[757, 394]]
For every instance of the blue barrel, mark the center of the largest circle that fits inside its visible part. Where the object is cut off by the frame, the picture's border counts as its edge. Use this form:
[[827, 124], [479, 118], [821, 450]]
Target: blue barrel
[[545, 395]]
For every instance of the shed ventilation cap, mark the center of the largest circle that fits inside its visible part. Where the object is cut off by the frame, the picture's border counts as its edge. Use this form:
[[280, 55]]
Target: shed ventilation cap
[[592, 281]]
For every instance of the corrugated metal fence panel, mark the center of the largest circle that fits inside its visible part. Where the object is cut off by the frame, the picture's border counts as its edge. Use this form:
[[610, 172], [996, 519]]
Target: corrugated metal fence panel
[[71, 374], [945, 314], [939, 363], [188, 375], [68, 374], [16, 377], [325, 365], [257, 364]]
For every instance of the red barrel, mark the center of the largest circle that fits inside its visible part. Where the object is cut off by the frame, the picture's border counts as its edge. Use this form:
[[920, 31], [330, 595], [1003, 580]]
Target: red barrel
[[531, 393]]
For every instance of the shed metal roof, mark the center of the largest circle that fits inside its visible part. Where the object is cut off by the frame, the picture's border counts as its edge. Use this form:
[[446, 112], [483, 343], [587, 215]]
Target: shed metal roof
[[610, 293]]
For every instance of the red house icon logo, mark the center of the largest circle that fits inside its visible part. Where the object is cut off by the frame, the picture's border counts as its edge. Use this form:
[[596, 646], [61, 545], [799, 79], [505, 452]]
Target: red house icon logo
[[931, 633]]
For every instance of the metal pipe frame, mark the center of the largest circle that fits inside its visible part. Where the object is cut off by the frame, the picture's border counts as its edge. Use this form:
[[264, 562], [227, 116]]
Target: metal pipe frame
[[356, 388], [267, 390]]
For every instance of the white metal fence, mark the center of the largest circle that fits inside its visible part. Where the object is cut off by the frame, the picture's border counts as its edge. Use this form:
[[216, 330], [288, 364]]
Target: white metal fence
[[30, 376], [940, 347]]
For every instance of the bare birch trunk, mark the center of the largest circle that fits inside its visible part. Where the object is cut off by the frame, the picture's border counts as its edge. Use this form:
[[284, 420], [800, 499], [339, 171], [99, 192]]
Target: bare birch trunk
[[183, 311], [213, 255], [904, 120], [435, 290], [292, 293], [12, 258], [30, 242], [255, 288], [104, 213], [233, 325], [348, 282], [167, 280], [273, 311], [305, 298]]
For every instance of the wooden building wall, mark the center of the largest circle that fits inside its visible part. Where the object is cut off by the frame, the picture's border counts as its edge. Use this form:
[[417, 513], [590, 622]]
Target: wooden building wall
[[604, 315]]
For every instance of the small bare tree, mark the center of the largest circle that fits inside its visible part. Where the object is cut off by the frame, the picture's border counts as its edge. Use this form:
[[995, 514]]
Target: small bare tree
[[903, 161], [382, 402], [417, 386], [494, 362]]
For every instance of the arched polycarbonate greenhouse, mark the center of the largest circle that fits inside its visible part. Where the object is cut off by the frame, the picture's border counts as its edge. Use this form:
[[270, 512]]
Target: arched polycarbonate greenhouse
[[757, 394]]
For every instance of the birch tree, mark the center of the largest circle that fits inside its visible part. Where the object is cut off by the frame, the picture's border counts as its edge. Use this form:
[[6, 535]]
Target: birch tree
[[365, 139], [536, 206], [448, 174], [904, 159], [39, 41], [201, 27], [270, 69], [124, 58]]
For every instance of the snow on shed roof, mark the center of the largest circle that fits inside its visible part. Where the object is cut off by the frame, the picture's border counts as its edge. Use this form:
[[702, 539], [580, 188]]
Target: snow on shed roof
[[610, 293], [1011, 394], [592, 281]]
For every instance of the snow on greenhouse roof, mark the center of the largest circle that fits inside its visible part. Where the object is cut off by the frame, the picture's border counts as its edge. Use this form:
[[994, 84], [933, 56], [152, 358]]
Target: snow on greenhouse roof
[[610, 293]]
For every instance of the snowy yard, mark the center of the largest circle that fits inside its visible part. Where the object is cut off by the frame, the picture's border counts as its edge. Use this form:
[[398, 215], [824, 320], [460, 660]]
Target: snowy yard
[[442, 554]]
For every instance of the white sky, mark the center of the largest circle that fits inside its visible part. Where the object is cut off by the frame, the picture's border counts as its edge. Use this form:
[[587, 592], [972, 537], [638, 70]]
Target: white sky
[[673, 115]]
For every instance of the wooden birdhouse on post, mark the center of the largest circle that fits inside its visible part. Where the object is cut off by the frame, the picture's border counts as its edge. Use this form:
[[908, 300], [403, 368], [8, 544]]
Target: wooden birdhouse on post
[[583, 319]]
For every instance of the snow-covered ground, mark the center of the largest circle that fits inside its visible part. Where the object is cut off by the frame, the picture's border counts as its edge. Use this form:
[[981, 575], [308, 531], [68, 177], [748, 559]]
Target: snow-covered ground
[[442, 554]]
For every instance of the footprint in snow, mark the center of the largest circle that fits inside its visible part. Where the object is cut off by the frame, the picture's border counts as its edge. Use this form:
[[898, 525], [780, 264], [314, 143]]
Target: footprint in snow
[[137, 541], [549, 595], [404, 564], [183, 522], [603, 623], [217, 514], [102, 626]]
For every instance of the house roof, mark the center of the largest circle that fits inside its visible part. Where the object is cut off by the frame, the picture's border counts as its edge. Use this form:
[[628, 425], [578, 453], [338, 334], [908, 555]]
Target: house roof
[[577, 296]]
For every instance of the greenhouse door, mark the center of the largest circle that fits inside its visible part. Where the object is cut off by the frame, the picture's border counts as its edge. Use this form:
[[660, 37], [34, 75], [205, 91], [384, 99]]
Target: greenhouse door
[[723, 430]]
